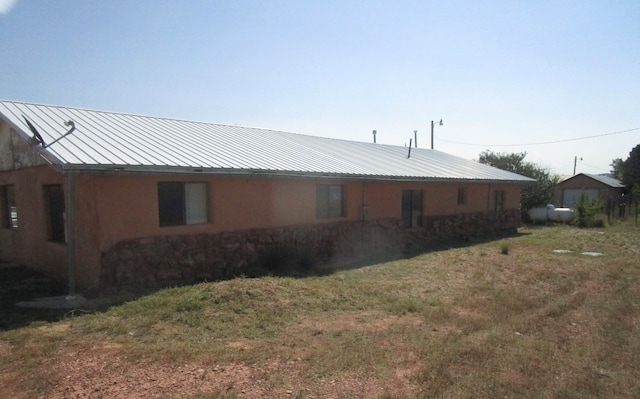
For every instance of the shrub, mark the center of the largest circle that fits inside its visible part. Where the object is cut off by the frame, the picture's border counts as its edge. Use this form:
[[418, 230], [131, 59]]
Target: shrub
[[587, 211]]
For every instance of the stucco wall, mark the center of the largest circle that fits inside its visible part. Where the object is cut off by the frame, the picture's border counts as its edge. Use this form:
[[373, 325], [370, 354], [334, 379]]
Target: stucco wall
[[249, 212], [16, 153], [29, 244], [120, 207], [113, 209]]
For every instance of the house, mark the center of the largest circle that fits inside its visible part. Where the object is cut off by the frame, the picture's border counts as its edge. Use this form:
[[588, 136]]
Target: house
[[115, 201], [603, 187]]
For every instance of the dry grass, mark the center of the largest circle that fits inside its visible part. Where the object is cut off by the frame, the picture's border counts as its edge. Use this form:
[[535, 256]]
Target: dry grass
[[471, 322]]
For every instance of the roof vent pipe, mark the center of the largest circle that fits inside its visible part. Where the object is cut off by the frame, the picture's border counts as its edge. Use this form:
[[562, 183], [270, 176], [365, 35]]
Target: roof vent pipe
[[374, 136], [409, 154], [415, 134]]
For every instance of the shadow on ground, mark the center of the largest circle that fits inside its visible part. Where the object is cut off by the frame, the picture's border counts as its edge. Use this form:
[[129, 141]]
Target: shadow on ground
[[18, 283]]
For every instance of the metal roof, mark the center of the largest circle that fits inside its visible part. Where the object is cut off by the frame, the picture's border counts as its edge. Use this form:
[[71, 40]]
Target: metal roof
[[604, 179], [118, 141]]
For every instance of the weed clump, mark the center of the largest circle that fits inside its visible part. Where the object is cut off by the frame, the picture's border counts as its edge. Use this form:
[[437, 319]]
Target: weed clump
[[504, 249]]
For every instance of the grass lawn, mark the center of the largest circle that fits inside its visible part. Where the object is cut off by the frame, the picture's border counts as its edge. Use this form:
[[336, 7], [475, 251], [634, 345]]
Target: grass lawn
[[506, 318]]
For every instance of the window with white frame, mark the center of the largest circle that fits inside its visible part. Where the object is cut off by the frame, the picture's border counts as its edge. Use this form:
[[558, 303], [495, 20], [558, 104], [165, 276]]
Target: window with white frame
[[182, 203]]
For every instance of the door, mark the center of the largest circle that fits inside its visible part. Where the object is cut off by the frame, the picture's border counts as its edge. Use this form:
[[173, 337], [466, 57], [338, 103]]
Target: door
[[571, 195], [412, 208]]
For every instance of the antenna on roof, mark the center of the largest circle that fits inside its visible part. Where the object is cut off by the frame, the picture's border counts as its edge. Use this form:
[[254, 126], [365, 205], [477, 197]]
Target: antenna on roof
[[409, 154], [37, 138], [67, 123]]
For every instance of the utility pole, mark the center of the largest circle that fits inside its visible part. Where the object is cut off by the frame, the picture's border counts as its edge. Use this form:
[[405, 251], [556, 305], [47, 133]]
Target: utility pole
[[575, 162]]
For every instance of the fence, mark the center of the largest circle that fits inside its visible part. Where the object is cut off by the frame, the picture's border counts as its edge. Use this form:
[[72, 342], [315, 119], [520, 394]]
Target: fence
[[623, 207]]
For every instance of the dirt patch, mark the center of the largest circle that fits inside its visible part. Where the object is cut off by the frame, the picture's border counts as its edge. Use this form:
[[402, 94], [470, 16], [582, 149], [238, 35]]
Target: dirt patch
[[243, 344], [5, 349], [105, 372]]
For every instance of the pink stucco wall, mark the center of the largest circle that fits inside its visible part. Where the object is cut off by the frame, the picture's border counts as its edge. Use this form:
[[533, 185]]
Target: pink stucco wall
[[116, 207], [29, 244], [126, 206]]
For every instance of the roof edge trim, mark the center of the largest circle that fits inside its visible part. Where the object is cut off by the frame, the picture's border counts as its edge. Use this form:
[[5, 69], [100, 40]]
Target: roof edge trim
[[145, 169]]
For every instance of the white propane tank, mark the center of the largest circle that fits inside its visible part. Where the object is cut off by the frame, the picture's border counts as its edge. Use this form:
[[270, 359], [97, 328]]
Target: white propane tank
[[538, 214], [551, 214]]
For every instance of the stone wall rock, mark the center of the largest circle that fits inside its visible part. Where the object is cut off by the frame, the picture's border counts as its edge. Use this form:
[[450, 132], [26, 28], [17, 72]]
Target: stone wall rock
[[163, 261], [467, 225]]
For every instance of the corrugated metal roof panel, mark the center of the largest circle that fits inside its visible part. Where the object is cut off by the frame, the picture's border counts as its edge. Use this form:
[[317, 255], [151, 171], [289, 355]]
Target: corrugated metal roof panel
[[607, 180], [107, 139]]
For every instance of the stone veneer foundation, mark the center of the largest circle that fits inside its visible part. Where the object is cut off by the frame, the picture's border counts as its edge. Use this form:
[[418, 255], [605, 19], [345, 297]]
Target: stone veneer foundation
[[155, 262]]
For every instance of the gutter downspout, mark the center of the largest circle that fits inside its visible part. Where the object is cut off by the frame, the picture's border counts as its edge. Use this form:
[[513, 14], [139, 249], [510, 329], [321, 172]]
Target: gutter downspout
[[70, 204]]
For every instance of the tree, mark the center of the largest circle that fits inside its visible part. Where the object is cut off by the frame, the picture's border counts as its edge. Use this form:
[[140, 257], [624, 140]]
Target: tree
[[617, 167], [631, 169], [533, 195], [511, 162]]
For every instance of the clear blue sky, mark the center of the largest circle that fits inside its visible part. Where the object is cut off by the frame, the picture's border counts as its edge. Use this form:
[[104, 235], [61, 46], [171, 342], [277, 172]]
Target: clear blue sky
[[499, 73]]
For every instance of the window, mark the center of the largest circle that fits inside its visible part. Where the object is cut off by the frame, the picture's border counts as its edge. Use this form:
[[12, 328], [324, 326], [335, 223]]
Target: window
[[499, 201], [462, 196], [329, 201], [54, 202], [182, 203], [412, 208], [9, 208]]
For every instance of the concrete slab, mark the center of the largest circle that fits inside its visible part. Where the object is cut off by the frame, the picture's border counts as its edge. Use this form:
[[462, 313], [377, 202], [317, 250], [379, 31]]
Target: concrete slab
[[55, 302]]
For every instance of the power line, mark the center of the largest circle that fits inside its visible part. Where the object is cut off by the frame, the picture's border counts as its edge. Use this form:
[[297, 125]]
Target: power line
[[542, 142], [591, 166]]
